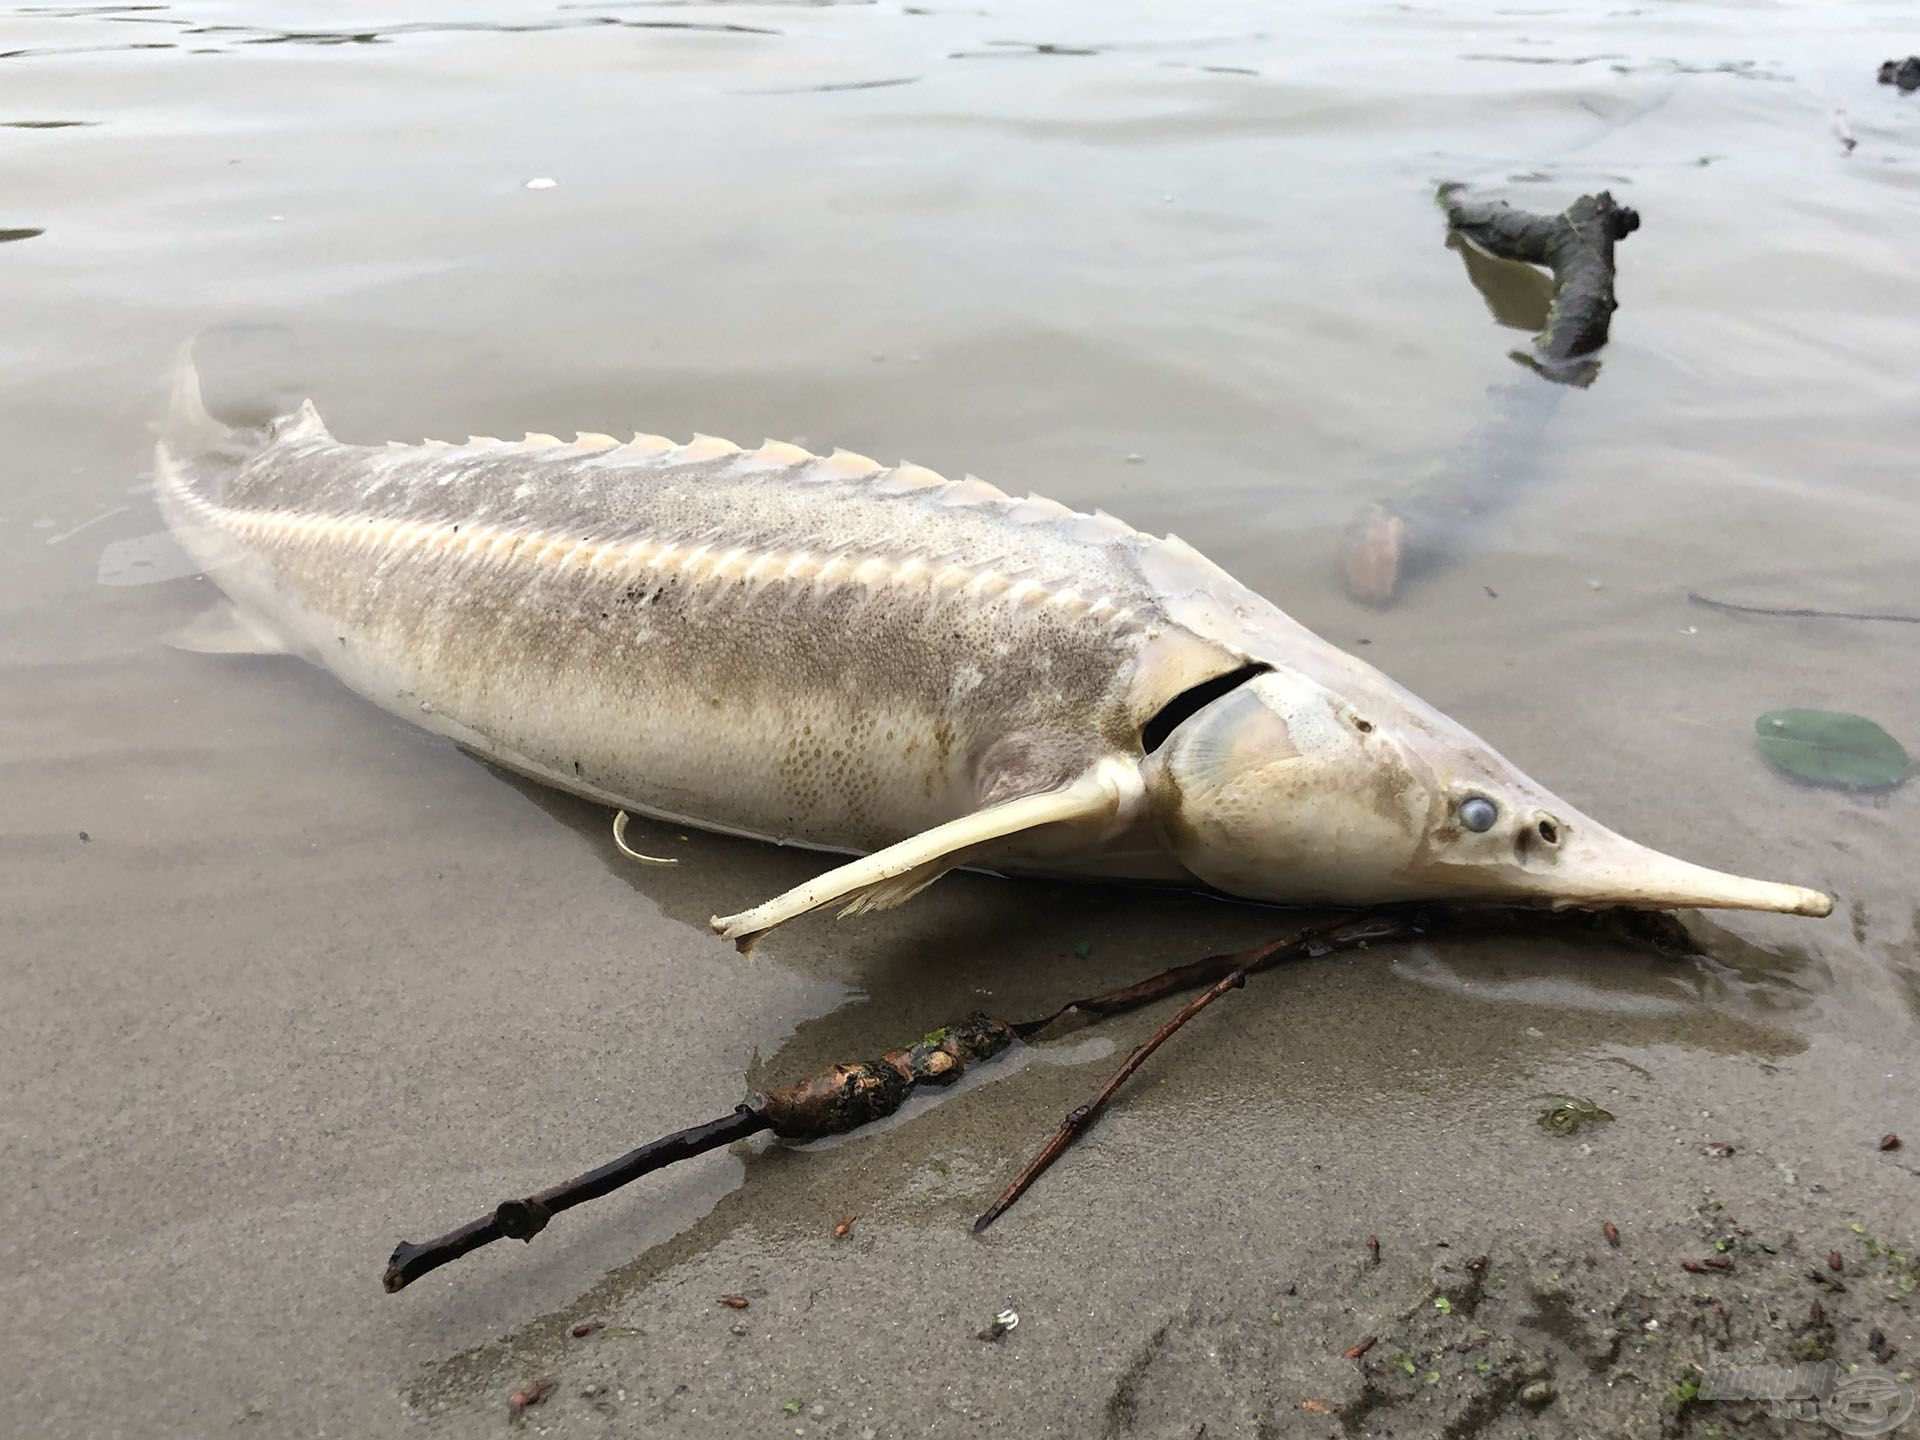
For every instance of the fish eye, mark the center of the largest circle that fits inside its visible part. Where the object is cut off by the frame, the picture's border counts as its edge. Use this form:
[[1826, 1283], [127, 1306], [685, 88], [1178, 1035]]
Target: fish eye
[[1477, 813]]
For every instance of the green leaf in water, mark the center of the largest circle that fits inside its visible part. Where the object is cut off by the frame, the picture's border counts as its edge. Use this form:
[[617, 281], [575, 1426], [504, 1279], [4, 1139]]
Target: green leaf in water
[[1825, 747]]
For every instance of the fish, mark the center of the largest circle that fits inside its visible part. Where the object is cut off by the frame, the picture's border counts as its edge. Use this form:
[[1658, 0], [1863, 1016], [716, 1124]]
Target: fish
[[875, 661]]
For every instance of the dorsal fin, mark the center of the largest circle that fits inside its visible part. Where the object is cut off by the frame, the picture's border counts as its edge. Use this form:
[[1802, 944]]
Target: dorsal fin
[[303, 424]]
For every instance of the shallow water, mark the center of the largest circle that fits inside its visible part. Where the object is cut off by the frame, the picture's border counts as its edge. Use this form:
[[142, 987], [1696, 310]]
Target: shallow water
[[285, 980]]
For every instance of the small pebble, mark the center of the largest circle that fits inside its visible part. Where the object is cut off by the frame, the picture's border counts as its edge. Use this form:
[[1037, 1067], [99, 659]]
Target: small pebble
[[1538, 1394], [1888, 1141], [542, 182]]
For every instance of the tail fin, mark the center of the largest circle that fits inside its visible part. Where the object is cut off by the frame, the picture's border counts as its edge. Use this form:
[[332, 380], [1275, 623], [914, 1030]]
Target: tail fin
[[197, 461], [189, 432], [197, 453]]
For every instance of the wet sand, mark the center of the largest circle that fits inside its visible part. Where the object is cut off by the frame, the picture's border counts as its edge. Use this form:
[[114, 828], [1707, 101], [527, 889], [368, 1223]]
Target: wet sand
[[313, 981]]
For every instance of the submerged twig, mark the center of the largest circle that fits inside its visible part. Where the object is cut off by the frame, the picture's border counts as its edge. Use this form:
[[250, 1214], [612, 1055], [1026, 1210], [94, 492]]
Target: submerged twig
[[1350, 929], [1800, 612], [1392, 540]]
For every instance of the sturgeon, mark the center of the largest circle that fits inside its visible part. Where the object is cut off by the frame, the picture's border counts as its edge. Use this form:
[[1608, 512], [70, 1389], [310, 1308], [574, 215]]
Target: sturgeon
[[924, 673]]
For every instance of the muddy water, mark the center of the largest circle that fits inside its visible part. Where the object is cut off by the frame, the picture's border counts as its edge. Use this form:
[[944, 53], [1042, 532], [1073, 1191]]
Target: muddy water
[[285, 980]]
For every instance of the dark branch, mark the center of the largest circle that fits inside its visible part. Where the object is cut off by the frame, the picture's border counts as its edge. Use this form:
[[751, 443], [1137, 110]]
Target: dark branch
[[1576, 245], [843, 1098], [523, 1219], [846, 1097]]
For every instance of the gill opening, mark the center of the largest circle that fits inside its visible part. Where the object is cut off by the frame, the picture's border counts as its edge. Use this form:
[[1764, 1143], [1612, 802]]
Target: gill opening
[[1191, 702]]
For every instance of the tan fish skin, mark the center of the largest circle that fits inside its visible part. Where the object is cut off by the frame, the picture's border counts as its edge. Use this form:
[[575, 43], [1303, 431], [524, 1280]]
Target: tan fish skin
[[825, 651]]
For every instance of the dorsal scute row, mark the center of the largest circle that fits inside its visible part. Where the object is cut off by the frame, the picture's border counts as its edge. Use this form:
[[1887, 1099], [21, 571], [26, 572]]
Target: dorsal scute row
[[802, 466]]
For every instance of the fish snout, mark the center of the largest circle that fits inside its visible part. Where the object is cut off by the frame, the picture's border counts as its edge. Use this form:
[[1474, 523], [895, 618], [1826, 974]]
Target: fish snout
[[1595, 866]]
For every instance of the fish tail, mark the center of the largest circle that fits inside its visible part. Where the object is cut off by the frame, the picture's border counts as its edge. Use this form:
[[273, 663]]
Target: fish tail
[[198, 453], [189, 432]]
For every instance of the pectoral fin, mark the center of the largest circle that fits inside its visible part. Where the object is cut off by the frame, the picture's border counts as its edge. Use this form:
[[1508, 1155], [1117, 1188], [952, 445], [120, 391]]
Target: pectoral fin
[[896, 874]]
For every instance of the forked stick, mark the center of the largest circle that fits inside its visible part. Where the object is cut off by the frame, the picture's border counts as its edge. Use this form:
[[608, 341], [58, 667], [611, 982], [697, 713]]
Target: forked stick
[[1314, 939]]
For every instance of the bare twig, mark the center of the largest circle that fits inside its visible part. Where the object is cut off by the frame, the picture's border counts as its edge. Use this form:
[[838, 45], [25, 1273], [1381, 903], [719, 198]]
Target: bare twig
[[1078, 1119], [1350, 929], [1795, 612], [845, 1097], [526, 1218]]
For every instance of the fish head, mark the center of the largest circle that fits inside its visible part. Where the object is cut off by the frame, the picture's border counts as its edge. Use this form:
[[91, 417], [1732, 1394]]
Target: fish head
[[1343, 787]]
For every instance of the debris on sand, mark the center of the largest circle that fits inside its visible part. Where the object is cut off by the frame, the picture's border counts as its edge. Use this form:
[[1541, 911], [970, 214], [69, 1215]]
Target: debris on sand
[[1573, 1114], [1904, 73], [527, 1396], [1003, 1322]]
